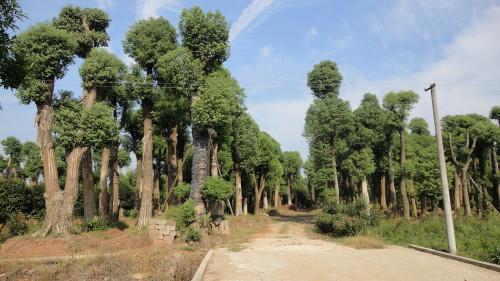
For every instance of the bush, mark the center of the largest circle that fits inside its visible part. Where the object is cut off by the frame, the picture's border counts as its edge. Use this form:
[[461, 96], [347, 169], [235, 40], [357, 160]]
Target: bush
[[357, 208], [217, 189], [182, 191], [192, 234], [185, 215], [493, 254], [16, 198], [97, 223], [339, 225], [130, 213], [17, 224]]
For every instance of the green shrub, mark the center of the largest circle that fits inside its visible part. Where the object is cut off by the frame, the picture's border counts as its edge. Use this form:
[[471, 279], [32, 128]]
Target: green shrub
[[493, 254], [217, 189], [375, 216], [185, 215], [97, 223], [339, 225], [357, 208], [182, 190], [17, 224], [192, 234], [130, 213], [16, 198]]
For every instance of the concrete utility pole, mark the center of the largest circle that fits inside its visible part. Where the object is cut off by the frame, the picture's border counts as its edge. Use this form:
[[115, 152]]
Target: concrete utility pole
[[450, 231]]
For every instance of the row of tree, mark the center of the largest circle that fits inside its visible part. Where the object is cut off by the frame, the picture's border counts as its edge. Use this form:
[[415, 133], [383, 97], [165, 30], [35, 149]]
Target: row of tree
[[175, 89], [372, 149]]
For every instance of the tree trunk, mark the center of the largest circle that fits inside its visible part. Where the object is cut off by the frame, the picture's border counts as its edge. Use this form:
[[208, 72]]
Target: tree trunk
[[457, 191], [266, 203], [289, 190], [402, 179], [138, 181], [115, 186], [156, 190], [103, 183], [213, 161], [238, 194], [200, 168], [364, 191], [335, 177], [172, 157], [258, 187], [392, 186], [383, 202], [245, 206], [465, 190], [89, 208], [276, 194], [34, 181], [423, 205], [414, 207], [497, 174], [146, 210]]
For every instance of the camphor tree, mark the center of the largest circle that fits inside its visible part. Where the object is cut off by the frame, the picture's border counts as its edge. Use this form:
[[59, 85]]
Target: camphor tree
[[10, 12], [44, 53], [88, 26], [211, 49], [145, 41], [32, 163], [12, 148], [292, 163], [399, 105]]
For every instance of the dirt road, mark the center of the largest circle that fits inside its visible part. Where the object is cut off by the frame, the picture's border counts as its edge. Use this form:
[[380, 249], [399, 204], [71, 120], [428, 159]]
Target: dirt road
[[286, 253]]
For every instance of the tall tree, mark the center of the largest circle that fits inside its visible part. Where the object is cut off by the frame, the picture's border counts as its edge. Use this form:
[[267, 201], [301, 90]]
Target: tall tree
[[145, 41], [268, 153], [12, 148], [399, 104], [44, 54], [324, 80], [10, 12], [211, 49], [33, 165], [292, 163]]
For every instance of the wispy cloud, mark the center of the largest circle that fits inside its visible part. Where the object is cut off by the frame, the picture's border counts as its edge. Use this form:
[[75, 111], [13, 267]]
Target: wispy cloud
[[266, 51], [248, 15], [311, 33], [151, 8]]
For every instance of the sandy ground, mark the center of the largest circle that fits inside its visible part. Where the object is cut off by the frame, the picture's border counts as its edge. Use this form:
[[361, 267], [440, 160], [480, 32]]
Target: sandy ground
[[286, 253]]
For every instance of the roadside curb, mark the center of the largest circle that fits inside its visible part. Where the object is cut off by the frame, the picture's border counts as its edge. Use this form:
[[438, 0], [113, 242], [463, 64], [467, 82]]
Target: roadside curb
[[482, 264], [198, 275]]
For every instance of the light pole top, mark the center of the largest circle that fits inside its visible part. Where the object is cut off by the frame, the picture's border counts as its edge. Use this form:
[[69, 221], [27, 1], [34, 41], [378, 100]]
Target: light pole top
[[430, 87]]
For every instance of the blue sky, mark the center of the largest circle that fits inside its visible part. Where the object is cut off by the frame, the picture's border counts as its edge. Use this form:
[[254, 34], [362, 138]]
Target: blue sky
[[380, 46]]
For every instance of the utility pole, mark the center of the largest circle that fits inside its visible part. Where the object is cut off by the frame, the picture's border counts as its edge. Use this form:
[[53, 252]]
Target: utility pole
[[450, 231]]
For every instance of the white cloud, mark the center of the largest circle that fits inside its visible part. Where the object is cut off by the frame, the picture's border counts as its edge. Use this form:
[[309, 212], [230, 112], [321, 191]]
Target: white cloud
[[466, 75], [151, 8], [248, 15], [266, 51], [311, 33], [104, 4]]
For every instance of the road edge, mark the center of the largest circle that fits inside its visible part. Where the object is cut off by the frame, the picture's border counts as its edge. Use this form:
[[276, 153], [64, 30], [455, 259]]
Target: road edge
[[474, 262], [198, 275]]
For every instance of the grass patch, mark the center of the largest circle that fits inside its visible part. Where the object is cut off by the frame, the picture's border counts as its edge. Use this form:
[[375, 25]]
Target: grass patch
[[363, 242], [476, 238]]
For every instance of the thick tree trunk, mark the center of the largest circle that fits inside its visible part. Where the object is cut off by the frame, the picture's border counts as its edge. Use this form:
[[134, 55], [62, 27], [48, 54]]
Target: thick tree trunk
[[276, 194], [259, 188], [200, 168], [138, 183], [364, 191], [392, 186], [289, 189], [115, 186], [146, 210], [156, 190], [497, 173], [402, 179], [465, 191], [89, 208], [238, 194], [383, 202], [103, 183], [172, 157]]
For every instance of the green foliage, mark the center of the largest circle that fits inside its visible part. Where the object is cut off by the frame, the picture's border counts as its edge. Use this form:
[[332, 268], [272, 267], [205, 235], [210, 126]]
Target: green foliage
[[97, 223], [76, 126], [360, 164], [123, 158], [192, 234], [212, 49], [215, 189], [245, 142], [10, 12], [44, 54], [33, 164], [71, 19], [182, 190], [399, 104], [292, 162], [495, 113], [419, 126], [127, 190], [339, 225], [15, 198], [328, 201], [324, 80], [185, 215], [101, 70], [147, 39], [13, 148], [218, 102], [17, 224]]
